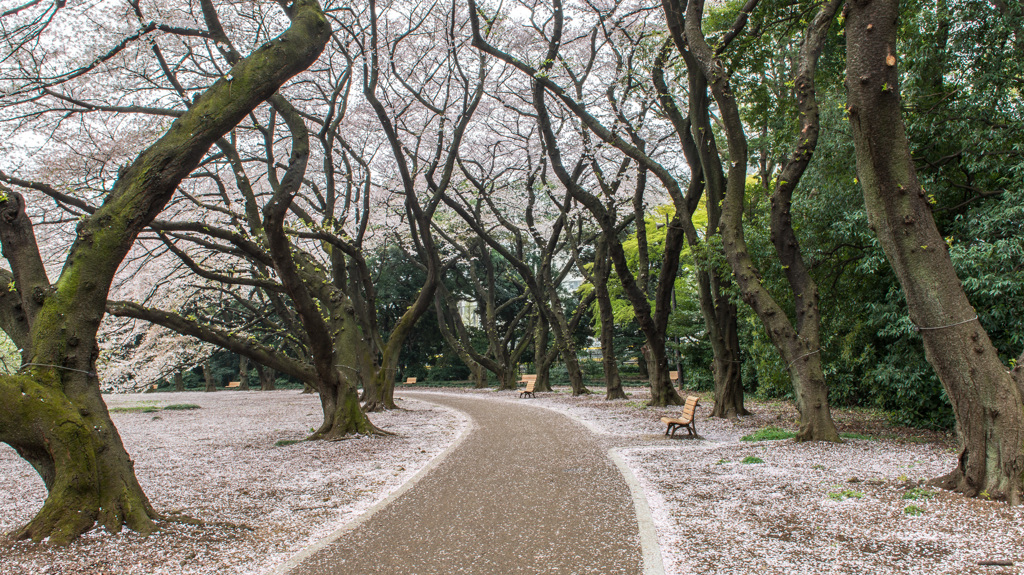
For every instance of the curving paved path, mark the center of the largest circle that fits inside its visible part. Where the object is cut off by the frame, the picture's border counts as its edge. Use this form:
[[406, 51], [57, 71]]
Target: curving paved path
[[528, 491]]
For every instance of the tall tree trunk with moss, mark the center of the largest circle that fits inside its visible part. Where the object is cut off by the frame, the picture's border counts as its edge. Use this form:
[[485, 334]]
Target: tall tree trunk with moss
[[987, 398], [318, 312], [799, 345], [52, 413]]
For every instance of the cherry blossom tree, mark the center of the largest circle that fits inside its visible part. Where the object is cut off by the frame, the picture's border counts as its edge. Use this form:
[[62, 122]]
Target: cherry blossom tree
[[54, 416]]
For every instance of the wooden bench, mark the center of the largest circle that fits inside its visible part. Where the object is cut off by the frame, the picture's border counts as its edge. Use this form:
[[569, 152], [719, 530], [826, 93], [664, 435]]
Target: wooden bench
[[531, 381], [409, 381], [686, 420], [234, 384], [673, 376]]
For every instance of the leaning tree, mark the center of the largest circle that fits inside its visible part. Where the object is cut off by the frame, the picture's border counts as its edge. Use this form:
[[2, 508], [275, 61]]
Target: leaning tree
[[987, 398], [52, 413]]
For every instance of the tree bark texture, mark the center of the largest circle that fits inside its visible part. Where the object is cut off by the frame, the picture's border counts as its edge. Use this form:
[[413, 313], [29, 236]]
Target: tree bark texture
[[268, 377], [210, 384], [799, 346], [243, 373], [599, 277], [986, 397], [53, 414]]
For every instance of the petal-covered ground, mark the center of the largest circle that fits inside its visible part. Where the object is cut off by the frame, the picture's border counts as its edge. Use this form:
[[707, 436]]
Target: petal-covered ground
[[720, 505], [262, 502], [725, 506]]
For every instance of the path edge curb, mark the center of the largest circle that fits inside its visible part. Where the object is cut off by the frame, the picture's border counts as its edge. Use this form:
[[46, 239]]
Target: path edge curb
[[294, 561], [649, 547]]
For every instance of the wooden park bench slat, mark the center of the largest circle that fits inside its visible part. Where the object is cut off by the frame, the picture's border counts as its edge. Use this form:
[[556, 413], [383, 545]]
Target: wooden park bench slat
[[673, 376], [234, 384], [685, 420], [410, 381], [531, 381]]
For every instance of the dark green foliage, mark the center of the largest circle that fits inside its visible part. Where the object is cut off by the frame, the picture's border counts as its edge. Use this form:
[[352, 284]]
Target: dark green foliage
[[961, 74]]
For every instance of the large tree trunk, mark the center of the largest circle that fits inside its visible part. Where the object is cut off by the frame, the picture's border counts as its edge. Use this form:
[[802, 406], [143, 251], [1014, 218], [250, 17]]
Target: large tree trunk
[[543, 358], [179, 381], [321, 308], [602, 269], [798, 345], [986, 397], [243, 373], [54, 415], [211, 385], [69, 439], [268, 377]]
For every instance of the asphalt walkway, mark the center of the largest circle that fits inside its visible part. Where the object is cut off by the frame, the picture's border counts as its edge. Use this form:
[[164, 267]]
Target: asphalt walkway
[[528, 491]]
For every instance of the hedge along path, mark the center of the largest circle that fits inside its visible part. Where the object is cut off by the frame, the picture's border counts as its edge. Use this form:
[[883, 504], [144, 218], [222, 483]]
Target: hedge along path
[[527, 491]]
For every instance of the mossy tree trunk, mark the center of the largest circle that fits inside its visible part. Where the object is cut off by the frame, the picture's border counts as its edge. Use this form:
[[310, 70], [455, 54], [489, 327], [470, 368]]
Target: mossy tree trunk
[[602, 270], [179, 381], [987, 398], [799, 344], [318, 312], [52, 413]]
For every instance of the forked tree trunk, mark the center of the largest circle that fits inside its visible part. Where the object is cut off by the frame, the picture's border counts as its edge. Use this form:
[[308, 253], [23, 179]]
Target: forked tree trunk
[[798, 345], [338, 396], [658, 376], [565, 346], [179, 381], [54, 415], [986, 397], [720, 315]]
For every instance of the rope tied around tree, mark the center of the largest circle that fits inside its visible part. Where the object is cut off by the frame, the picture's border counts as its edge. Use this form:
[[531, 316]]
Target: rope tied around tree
[[918, 328], [802, 356], [89, 373]]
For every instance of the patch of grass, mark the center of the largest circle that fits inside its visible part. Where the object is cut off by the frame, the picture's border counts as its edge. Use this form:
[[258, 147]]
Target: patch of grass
[[918, 493], [845, 494], [135, 409], [286, 442], [769, 434], [818, 467], [181, 406], [752, 459], [913, 510], [638, 404]]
